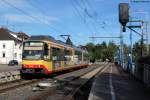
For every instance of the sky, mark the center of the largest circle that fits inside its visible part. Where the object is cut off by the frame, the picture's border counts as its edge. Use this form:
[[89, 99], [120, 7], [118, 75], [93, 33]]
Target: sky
[[79, 18]]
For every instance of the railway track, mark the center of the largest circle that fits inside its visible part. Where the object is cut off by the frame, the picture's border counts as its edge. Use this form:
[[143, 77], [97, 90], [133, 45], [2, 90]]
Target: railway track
[[81, 82], [23, 89], [4, 87], [68, 89], [16, 84]]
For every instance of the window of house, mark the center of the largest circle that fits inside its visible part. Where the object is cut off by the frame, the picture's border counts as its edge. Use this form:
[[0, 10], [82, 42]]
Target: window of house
[[4, 45], [4, 54], [20, 56], [15, 55], [15, 45]]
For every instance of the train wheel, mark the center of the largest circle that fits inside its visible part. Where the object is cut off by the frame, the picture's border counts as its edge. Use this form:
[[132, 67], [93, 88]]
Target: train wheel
[[22, 76]]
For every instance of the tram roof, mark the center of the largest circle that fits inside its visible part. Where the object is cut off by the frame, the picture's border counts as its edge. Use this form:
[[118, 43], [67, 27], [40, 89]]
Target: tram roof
[[50, 38]]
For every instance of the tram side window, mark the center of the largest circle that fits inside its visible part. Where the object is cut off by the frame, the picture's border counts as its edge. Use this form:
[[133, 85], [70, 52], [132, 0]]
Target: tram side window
[[79, 55], [86, 57], [67, 55], [57, 54]]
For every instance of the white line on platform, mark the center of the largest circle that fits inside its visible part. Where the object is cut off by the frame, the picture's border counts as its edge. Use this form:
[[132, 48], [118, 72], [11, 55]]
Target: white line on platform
[[113, 97]]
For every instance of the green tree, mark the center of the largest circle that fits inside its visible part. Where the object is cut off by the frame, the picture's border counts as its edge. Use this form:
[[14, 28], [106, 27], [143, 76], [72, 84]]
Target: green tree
[[91, 49], [101, 51]]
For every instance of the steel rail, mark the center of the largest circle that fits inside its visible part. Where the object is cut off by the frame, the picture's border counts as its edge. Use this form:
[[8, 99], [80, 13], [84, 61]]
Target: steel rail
[[16, 84], [90, 75], [4, 87], [53, 90]]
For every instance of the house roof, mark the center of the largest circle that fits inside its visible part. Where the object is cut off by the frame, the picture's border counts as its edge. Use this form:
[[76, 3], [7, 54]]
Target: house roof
[[5, 35], [21, 34]]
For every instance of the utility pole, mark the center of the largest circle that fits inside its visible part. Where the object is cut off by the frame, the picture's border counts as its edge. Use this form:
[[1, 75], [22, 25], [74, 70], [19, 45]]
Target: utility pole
[[144, 38], [131, 52], [147, 37], [121, 47], [143, 34]]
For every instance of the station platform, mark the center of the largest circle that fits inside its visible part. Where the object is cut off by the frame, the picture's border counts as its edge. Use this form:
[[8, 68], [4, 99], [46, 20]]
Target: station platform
[[115, 84]]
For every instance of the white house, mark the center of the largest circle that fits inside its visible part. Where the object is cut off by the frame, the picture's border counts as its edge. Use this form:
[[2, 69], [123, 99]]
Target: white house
[[10, 46]]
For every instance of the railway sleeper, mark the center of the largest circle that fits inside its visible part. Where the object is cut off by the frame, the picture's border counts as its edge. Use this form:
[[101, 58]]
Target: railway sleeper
[[9, 77]]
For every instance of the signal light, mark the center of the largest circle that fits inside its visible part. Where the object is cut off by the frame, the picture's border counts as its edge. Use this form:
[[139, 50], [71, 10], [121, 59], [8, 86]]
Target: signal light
[[123, 14]]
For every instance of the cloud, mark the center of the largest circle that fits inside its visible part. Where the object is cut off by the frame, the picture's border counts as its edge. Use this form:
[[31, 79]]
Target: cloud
[[37, 18]]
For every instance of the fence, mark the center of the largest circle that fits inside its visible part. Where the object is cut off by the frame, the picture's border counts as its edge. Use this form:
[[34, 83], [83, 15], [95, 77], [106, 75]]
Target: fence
[[146, 76], [141, 71]]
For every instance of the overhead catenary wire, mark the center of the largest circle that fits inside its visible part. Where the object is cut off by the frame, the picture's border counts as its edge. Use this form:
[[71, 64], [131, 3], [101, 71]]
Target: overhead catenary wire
[[89, 4], [94, 23], [80, 15], [94, 15], [76, 9], [28, 14], [45, 14], [84, 8]]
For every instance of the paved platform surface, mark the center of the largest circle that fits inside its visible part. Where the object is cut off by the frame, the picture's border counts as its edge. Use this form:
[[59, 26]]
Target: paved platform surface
[[6, 68], [115, 84]]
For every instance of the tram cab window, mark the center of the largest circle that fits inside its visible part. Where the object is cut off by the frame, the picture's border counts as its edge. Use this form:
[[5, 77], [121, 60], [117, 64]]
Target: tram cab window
[[45, 49], [46, 52]]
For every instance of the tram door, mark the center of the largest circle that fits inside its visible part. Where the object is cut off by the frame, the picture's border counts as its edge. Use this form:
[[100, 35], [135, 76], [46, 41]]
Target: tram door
[[56, 58]]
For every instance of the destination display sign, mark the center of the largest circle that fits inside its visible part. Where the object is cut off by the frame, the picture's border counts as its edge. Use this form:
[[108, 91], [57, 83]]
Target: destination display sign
[[33, 44], [33, 48]]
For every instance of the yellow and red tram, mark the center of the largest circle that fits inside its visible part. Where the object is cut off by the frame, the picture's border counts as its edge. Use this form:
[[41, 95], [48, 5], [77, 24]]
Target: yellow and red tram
[[45, 55]]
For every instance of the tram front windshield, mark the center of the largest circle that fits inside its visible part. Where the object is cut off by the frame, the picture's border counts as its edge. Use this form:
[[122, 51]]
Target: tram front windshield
[[33, 50], [33, 54]]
